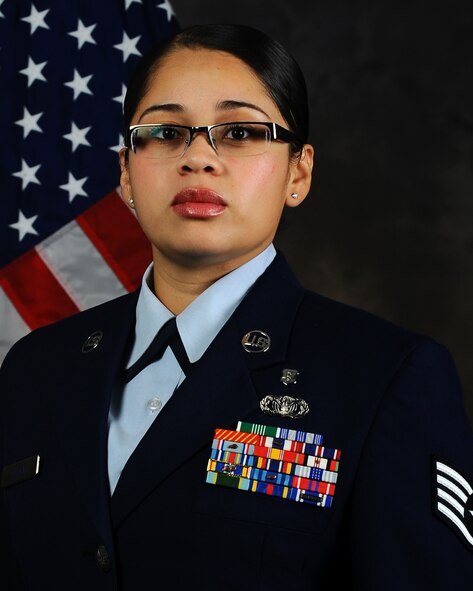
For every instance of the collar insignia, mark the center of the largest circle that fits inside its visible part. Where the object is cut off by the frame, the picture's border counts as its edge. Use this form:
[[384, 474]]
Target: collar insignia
[[92, 341], [256, 341]]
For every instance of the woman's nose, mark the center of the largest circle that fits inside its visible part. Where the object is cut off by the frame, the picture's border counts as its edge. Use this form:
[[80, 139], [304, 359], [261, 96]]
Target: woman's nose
[[199, 155]]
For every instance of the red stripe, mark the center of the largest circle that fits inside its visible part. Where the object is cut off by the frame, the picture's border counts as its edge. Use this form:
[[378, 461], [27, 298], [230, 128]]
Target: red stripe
[[118, 237], [34, 291], [239, 436]]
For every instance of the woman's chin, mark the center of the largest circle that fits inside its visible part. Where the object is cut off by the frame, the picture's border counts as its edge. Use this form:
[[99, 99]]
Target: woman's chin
[[196, 255]]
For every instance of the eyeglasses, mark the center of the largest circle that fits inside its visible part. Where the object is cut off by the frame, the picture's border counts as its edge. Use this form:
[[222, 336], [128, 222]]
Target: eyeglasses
[[162, 140]]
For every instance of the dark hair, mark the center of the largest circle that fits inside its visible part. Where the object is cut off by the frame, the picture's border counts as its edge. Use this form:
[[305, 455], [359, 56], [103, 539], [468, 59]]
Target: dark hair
[[275, 67]]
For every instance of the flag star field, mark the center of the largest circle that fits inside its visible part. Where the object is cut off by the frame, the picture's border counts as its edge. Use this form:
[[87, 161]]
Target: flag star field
[[64, 67]]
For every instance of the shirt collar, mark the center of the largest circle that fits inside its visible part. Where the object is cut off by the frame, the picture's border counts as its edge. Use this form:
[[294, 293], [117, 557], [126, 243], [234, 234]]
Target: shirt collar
[[215, 305]]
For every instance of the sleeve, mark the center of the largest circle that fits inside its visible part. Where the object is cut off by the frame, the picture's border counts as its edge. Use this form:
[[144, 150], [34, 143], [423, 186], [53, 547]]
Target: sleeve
[[11, 577], [417, 460]]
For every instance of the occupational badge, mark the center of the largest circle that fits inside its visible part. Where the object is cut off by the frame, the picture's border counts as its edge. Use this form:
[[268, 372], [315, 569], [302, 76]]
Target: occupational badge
[[284, 406]]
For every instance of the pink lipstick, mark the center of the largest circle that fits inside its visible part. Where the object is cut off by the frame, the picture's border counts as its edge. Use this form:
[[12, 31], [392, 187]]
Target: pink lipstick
[[198, 203]]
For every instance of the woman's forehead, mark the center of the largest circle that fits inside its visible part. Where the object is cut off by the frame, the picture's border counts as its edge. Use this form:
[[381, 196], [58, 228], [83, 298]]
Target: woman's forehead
[[191, 77]]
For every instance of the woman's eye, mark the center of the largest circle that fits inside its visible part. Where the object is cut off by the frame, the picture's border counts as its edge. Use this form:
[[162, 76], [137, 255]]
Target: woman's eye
[[164, 134], [238, 133]]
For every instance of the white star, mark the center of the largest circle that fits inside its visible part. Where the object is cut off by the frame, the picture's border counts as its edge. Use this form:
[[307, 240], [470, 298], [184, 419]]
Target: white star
[[77, 136], [128, 3], [1, 13], [166, 5], [36, 19], [27, 174], [29, 122], [119, 146], [79, 84], [83, 34], [24, 225], [74, 187], [33, 71], [121, 98], [128, 46]]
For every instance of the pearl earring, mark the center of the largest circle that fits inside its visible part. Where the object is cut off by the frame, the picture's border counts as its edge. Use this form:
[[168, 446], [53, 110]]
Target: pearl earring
[[294, 195], [131, 202]]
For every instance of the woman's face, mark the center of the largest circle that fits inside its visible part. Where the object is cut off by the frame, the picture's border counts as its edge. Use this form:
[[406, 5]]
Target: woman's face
[[201, 209]]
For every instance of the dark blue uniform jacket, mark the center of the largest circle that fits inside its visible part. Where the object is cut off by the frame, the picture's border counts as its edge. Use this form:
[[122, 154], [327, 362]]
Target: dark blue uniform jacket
[[390, 400]]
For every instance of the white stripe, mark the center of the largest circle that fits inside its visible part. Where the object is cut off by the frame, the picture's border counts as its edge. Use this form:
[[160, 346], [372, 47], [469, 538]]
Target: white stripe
[[330, 477], [453, 487], [78, 266], [449, 499], [461, 526], [441, 467], [13, 327]]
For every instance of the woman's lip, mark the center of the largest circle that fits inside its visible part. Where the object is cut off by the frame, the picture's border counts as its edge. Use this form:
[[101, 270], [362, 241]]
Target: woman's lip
[[198, 195], [198, 203]]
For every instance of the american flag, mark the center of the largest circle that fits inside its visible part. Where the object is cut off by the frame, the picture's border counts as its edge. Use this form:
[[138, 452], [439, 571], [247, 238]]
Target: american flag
[[67, 242]]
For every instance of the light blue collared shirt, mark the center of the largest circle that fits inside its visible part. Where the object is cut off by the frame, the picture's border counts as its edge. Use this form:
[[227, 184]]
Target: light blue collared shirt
[[134, 408]]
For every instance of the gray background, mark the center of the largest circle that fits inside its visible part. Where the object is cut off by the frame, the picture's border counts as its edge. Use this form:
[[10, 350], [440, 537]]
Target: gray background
[[388, 225]]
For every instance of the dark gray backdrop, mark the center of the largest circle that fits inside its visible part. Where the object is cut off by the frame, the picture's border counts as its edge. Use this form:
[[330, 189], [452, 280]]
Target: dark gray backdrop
[[388, 225]]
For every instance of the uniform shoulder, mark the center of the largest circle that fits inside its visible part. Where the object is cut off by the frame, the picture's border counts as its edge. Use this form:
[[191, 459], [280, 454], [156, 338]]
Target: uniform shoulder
[[52, 336], [353, 328]]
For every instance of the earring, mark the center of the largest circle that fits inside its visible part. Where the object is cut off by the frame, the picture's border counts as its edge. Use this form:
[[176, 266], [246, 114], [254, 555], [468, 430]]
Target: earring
[[131, 202], [294, 195]]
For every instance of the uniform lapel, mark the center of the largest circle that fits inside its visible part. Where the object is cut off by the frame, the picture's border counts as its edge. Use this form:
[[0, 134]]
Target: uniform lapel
[[217, 393], [82, 421]]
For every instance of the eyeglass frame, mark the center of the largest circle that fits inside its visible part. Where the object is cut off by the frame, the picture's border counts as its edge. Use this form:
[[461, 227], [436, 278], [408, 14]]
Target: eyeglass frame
[[277, 133]]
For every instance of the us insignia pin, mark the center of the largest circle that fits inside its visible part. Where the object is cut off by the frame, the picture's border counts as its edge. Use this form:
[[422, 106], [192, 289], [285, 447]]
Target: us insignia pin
[[284, 406], [92, 341], [256, 341], [453, 500]]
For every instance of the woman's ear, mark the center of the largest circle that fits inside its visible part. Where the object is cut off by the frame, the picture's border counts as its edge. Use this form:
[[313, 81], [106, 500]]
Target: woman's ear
[[300, 177], [125, 185]]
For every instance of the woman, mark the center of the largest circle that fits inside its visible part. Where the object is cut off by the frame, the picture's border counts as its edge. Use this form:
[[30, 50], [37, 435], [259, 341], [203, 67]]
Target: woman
[[278, 440]]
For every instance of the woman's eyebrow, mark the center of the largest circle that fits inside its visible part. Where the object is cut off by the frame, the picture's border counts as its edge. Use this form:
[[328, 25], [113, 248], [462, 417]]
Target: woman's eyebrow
[[227, 105], [230, 105], [167, 107]]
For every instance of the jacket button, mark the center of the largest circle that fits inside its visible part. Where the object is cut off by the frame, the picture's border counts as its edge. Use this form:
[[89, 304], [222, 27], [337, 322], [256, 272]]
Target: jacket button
[[102, 558]]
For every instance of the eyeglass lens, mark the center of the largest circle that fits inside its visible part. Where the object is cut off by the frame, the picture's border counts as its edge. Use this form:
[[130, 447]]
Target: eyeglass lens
[[231, 139]]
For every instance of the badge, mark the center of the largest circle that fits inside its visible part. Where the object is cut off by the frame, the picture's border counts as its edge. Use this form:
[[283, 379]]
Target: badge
[[20, 471], [256, 341], [92, 341], [289, 376], [275, 461], [453, 500], [284, 406]]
